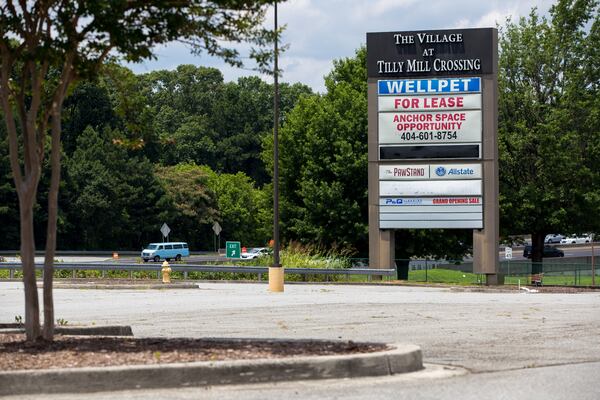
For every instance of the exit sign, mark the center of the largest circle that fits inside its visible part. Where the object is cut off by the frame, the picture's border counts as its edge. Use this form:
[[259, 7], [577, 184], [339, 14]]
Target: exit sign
[[232, 250]]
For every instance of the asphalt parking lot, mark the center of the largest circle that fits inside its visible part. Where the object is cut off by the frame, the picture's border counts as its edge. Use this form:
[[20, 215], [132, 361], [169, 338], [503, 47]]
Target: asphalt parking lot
[[496, 336]]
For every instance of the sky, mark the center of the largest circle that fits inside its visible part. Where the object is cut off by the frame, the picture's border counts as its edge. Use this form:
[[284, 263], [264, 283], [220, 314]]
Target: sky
[[320, 31]]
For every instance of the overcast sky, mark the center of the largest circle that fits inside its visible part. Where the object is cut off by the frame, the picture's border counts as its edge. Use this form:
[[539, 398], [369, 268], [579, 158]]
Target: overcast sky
[[320, 31]]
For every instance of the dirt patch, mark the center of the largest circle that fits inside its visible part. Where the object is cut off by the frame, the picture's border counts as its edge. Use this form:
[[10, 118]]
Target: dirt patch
[[77, 351]]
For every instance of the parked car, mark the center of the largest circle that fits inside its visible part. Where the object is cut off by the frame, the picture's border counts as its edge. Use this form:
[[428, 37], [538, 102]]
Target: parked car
[[549, 251], [165, 251], [553, 238], [576, 239], [255, 253]]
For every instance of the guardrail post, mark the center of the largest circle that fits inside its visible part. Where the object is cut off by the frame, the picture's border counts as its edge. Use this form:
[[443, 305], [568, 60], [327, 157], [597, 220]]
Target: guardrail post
[[185, 275], [74, 273], [260, 276], [11, 273], [103, 274], [131, 275]]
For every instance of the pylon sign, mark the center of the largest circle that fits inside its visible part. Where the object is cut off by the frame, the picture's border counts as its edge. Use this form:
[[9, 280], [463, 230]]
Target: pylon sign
[[432, 137]]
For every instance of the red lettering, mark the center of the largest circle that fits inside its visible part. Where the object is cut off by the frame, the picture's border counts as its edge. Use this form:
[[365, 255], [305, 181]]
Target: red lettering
[[450, 117]]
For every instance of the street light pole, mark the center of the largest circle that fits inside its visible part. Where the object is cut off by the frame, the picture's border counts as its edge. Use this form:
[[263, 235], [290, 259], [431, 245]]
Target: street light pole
[[276, 270], [593, 262]]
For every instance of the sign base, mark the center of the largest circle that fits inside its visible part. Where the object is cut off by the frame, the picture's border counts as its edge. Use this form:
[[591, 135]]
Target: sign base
[[276, 279], [494, 279]]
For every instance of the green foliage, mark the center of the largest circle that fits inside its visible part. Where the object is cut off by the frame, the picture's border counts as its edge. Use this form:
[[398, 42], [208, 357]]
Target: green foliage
[[197, 118], [191, 204], [298, 255], [112, 197], [323, 153], [238, 204], [9, 206], [549, 142]]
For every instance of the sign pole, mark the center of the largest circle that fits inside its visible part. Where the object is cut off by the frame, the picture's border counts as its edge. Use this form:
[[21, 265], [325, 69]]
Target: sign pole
[[593, 263], [276, 270]]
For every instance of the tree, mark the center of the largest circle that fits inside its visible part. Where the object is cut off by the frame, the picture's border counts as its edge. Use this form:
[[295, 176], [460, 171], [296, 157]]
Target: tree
[[113, 198], [88, 105], [239, 205], [190, 208], [323, 153], [548, 122], [197, 118], [46, 45], [8, 200]]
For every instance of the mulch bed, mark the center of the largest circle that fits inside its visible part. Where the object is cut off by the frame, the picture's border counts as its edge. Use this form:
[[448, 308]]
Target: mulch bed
[[98, 351]]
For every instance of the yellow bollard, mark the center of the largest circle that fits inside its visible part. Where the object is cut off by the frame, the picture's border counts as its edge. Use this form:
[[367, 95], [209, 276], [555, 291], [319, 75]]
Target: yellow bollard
[[276, 275], [166, 272]]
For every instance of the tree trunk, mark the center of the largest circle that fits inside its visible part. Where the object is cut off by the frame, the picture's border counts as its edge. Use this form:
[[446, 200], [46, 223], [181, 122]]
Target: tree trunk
[[537, 252], [51, 228], [32, 307]]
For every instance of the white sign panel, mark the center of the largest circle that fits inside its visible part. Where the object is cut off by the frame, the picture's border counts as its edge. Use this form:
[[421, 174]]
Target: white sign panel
[[430, 103], [429, 171], [430, 127], [508, 253], [431, 188], [432, 224], [403, 172], [455, 171], [430, 201], [431, 209], [449, 216]]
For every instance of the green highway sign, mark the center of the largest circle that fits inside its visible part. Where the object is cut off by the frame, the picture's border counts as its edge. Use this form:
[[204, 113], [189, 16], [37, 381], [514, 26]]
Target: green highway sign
[[232, 250]]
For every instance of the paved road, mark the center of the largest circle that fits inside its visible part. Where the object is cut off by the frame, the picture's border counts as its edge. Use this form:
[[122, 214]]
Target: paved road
[[564, 382], [506, 340]]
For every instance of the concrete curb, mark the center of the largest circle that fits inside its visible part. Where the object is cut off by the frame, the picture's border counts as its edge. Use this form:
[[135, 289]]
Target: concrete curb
[[121, 286], [110, 330], [400, 359]]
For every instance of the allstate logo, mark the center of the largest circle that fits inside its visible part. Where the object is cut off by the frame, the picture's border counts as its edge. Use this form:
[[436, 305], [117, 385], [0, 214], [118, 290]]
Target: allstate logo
[[440, 171]]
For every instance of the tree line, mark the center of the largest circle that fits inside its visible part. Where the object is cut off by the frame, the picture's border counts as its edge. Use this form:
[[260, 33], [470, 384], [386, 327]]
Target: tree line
[[181, 147]]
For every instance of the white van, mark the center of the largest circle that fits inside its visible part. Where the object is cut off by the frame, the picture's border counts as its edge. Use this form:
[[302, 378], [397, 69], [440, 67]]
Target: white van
[[165, 251]]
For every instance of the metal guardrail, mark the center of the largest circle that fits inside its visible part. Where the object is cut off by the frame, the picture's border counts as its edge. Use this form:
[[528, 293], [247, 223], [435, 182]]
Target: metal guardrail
[[186, 268]]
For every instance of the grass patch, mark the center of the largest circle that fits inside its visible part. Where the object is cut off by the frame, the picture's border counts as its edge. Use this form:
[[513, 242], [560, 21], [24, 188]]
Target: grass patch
[[440, 275]]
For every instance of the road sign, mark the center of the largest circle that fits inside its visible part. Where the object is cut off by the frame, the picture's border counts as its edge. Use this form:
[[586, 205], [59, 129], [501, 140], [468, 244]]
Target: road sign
[[165, 230], [232, 250], [508, 253], [216, 228]]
